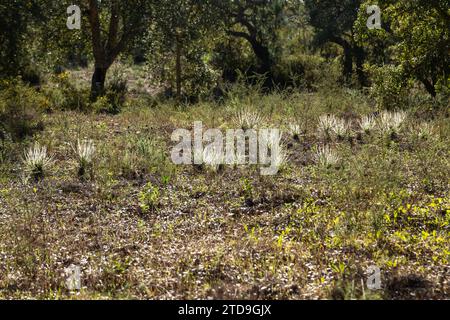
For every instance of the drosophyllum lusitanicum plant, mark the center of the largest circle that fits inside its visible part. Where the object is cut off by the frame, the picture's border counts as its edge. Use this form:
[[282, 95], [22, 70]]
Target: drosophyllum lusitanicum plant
[[330, 126], [367, 124], [213, 159], [391, 122], [37, 161], [84, 152], [248, 119], [295, 130], [326, 157]]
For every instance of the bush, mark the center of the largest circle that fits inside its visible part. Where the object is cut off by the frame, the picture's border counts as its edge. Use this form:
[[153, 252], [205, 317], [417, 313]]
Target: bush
[[64, 94], [304, 71], [115, 95], [389, 89], [31, 75], [149, 198], [20, 109], [116, 92]]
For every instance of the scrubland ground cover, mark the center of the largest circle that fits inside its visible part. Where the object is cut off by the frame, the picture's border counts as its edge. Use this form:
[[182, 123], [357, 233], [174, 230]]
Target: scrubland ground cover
[[92, 205], [360, 188]]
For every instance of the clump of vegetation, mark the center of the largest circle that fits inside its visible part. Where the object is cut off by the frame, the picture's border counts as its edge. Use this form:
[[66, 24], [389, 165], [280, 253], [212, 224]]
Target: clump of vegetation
[[327, 126], [37, 161], [341, 128], [295, 130], [278, 153], [337, 207], [247, 191], [425, 131], [367, 124], [213, 158], [64, 92], [149, 198], [248, 119], [391, 122], [21, 109], [116, 93], [84, 151], [326, 157]]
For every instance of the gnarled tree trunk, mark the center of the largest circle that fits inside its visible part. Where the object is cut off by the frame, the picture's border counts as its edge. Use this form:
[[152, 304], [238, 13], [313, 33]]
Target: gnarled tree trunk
[[105, 50]]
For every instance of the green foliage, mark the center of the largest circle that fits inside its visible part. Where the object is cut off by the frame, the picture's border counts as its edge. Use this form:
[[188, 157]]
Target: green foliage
[[417, 34], [21, 109], [333, 21], [116, 91], [115, 95], [15, 19], [308, 72], [149, 198], [64, 93], [180, 43], [247, 191], [389, 86]]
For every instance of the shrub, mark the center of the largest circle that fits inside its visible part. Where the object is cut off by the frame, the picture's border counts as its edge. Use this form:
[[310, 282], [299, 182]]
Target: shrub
[[303, 71], [101, 105], [390, 89], [149, 198], [116, 92], [64, 94], [20, 109], [31, 75]]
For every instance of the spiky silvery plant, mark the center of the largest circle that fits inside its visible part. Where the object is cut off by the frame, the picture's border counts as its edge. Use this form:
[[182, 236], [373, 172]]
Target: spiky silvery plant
[[213, 158], [326, 125], [280, 157], [295, 130], [37, 161], [367, 124], [341, 128], [84, 151], [248, 119], [276, 148], [391, 122], [325, 156]]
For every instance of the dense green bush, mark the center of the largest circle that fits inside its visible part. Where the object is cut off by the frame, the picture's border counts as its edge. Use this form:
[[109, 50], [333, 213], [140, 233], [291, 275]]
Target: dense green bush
[[116, 92], [304, 71], [64, 94], [20, 109], [389, 89]]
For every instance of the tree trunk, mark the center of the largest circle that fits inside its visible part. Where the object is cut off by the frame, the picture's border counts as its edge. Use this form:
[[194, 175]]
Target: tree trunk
[[360, 57], [98, 82], [261, 51], [348, 57], [429, 87], [348, 63], [263, 55]]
